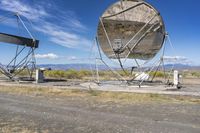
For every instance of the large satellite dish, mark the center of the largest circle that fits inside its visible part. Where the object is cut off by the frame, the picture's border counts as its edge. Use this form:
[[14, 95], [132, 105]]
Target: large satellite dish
[[131, 29]]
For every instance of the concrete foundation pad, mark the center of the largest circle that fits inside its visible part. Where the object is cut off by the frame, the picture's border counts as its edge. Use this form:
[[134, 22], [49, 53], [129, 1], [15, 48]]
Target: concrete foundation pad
[[159, 89], [189, 90]]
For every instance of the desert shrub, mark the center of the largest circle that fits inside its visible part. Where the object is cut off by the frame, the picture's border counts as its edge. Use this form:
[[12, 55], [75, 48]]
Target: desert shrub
[[22, 72], [72, 74], [196, 74], [55, 74], [84, 73], [124, 73], [103, 73], [68, 74], [60, 74], [185, 74], [157, 74], [48, 74]]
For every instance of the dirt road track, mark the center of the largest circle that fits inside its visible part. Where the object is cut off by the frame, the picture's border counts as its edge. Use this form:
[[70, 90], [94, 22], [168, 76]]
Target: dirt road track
[[75, 115]]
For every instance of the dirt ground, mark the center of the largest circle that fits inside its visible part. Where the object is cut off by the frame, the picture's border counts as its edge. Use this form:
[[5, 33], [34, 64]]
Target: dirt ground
[[37, 113]]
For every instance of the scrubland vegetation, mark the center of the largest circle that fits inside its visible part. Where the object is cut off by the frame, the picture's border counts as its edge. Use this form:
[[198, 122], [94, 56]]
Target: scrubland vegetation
[[158, 74], [106, 75], [69, 74], [81, 74]]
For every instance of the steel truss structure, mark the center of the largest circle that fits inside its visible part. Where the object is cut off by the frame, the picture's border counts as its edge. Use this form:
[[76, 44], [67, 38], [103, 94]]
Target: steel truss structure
[[157, 65], [152, 27], [24, 58]]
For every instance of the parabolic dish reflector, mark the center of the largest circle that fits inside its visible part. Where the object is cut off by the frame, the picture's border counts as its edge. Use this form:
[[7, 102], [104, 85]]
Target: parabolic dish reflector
[[131, 29]]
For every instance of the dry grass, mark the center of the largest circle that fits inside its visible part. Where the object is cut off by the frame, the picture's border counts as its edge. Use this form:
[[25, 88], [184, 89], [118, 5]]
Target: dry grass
[[11, 130], [23, 90], [95, 96], [118, 97], [128, 98], [8, 129]]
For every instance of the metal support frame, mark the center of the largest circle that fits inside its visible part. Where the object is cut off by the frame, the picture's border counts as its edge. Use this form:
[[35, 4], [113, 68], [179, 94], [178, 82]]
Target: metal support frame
[[16, 66], [155, 67], [139, 37], [100, 59]]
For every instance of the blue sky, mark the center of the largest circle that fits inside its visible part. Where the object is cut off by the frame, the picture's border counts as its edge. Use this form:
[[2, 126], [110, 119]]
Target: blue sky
[[66, 28]]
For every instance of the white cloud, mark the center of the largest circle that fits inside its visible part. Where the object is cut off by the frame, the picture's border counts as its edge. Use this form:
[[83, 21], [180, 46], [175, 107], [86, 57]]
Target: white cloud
[[174, 58], [62, 29], [77, 24], [47, 56], [177, 59], [72, 58], [69, 19], [63, 37], [55, 56], [30, 12]]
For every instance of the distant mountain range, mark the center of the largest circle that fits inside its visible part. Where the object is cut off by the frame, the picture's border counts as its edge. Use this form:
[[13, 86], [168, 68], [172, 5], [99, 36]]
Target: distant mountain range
[[183, 67], [103, 67], [72, 66]]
